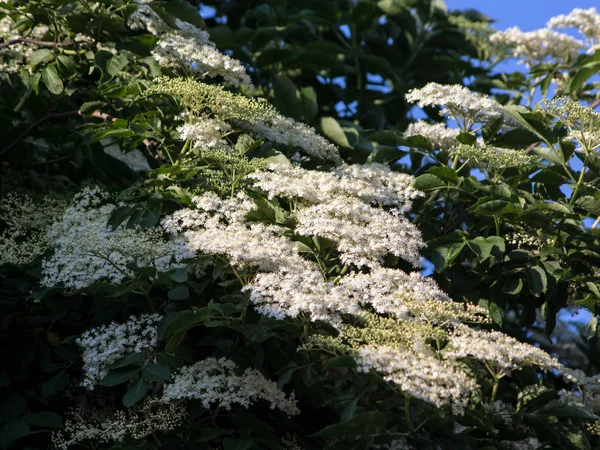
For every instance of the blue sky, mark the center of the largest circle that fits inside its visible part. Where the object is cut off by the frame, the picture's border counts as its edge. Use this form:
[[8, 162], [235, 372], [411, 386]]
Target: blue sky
[[526, 14]]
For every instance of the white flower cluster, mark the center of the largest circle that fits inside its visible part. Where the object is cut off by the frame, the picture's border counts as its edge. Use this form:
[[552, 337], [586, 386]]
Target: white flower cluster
[[424, 377], [136, 423], [500, 351], [107, 344], [216, 381], [14, 57], [145, 18], [438, 134], [458, 102], [586, 21], [26, 223], [86, 250], [287, 131], [371, 183], [190, 47], [539, 46], [203, 131], [363, 234]]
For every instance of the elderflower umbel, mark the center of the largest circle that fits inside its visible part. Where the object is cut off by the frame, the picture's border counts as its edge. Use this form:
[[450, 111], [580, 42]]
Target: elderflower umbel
[[419, 374], [86, 250], [372, 183], [438, 134], [203, 131], [363, 234], [216, 382], [498, 350], [492, 156], [539, 46], [25, 236], [137, 423], [144, 18], [582, 122], [458, 102], [586, 21], [107, 344]]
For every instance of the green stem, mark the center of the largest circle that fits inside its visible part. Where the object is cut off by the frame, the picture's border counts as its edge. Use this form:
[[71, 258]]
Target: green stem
[[494, 391], [409, 423]]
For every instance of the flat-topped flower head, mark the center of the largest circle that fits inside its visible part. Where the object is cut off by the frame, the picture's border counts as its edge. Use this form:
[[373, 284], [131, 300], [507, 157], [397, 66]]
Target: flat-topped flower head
[[216, 382], [539, 46], [586, 21], [457, 102], [492, 156], [582, 122], [438, 134]]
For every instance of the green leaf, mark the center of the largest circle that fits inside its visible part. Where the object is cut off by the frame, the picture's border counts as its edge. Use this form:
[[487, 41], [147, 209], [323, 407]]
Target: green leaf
[[184, 321], [340, 361], [88, 108], [116, 64], [40, 56], [55, 384], [581, 76], [115, 378], [538, 281], [567, 408], [287, 99], [428, 182], [332, 129], [12, 407], [361, 424], [445, 173], [590, 204], [443, 251], [52, 80], [591, 328], [156, 372], [135, 393], [127, 360], [482, 247], [44, 420], [182, 10], [180, 292], [12, 432], [495, 208]]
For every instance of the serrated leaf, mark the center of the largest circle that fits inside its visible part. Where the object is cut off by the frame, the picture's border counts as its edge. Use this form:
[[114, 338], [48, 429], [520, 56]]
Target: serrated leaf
[[52, 80], [135, 393], [428, 182], [44, 420], [116, 64], [332, 129], [40, 56], [55, 384], [12, 432], [115, 378], [156, 372], [538, 281], [180, 292]]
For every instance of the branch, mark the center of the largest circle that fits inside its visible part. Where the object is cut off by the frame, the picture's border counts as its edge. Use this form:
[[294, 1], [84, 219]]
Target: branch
[[50, 115], [105, 116], [38, 43]]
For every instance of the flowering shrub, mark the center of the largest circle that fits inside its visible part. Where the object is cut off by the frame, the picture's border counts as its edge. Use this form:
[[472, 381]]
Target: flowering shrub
[[205, 269]]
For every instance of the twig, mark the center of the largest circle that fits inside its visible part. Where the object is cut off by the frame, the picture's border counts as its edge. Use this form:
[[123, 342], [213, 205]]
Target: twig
[[595, 103], [38, 43], [50, 115]]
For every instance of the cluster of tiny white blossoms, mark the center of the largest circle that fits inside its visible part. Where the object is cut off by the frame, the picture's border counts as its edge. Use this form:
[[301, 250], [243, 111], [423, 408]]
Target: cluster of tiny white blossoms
[[582, 122], [137, 423], [457, 102], [188, 47], [420, 375], [539, 46], [586, 21], [371, 183], [253, 115], [215, 382], [86, 250], [499, 351], [26, 223], [203, 131], [438, 134], [492, 156], [107, 344], [15, 56]]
